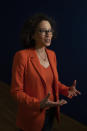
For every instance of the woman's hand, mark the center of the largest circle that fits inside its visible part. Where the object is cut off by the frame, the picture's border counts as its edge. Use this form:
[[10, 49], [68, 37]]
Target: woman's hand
[[73, 91], [47, 103]]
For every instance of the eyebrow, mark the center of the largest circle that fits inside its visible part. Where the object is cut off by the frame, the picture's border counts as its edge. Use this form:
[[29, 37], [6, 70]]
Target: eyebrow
[[45, 28]]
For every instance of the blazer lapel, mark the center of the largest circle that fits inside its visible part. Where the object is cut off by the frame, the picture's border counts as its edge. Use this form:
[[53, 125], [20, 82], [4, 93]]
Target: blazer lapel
[[52, 64], [55, 73], [35, 61]]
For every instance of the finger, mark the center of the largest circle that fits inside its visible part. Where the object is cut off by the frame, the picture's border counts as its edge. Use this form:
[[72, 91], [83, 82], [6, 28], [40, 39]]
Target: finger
[[62, 102], [74, 94], [52, 104], [78, 92], [57, 103], [74, 83]]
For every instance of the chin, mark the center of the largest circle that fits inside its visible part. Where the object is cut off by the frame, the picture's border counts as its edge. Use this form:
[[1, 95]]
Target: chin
[[47, 44]]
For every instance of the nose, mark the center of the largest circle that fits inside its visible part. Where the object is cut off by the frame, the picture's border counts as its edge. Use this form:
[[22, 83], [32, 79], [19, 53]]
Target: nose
[[47, 33]]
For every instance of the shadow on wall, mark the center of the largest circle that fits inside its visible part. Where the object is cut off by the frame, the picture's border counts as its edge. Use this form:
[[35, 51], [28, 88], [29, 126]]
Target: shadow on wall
[[8, 110]]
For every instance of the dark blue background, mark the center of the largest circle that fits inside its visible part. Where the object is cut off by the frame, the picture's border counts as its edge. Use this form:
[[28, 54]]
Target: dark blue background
[[70, 45]]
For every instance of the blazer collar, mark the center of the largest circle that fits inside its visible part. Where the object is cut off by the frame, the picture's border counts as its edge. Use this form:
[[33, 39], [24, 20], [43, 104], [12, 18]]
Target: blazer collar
[[35, 61]]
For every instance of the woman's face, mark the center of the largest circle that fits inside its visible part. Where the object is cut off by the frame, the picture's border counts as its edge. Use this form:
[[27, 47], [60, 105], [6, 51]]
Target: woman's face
[[43, 34]]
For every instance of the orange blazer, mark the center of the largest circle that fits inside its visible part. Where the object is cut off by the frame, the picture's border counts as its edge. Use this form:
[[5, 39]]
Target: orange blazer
[[28, 88]]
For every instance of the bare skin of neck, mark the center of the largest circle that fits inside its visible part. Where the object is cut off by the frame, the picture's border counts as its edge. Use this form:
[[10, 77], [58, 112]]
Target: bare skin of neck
[[40, 49]]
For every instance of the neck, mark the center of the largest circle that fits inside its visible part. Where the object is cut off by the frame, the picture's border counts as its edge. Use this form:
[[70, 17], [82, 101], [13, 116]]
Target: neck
[[40, 49]]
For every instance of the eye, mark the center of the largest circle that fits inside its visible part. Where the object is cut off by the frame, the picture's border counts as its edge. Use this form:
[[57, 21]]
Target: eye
[[41, 30], [50, 30], [44, 30]]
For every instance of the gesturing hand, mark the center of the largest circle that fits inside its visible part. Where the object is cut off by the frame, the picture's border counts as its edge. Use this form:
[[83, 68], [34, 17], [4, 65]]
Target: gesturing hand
[[73, 91], [47, 103]]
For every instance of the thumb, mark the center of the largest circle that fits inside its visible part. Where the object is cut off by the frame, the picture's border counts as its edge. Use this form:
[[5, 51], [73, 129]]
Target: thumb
[[46, 98], [74, 83]]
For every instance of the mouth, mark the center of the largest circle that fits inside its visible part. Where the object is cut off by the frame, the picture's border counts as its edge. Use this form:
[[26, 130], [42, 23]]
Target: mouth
[[47, 40]]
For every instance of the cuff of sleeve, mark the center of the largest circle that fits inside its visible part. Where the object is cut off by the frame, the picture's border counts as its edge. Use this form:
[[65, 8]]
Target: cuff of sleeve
[[66, 93], [34, 107]]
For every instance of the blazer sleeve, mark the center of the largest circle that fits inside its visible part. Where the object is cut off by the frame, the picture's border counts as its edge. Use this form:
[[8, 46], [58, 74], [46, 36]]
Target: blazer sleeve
[[17, 83], [63, 89]]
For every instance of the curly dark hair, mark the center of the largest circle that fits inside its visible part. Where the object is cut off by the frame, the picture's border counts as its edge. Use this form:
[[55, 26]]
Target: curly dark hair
[[30, 26]]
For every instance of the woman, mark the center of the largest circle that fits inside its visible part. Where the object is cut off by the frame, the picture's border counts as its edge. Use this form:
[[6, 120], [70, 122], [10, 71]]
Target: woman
[[35, 85]]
